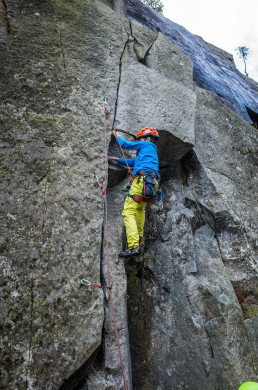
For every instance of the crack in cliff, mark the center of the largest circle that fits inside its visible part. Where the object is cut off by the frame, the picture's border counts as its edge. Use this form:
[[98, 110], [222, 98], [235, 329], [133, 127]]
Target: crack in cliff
[[143, 61], [4, 22], [32, 298], [62, 47], [120, 74], [222, 174]]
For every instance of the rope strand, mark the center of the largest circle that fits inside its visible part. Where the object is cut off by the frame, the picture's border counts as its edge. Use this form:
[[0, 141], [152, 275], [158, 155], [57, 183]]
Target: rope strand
[[113, 127], [108, 267]]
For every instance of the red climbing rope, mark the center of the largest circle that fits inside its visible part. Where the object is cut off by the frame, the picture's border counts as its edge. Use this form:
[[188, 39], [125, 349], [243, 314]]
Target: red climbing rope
[[113, 127], [108, 268]]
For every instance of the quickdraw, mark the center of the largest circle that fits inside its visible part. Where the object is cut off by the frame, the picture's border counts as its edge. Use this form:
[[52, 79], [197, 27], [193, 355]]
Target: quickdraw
[[100, 186], [111, 51], [88, 283]]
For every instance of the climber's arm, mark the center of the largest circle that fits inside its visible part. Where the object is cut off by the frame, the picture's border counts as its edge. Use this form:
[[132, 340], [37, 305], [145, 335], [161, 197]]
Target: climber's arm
[[122, 161]]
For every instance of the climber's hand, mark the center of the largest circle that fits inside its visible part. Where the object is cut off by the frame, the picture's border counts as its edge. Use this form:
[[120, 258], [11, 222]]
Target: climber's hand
[[111, 158], [114, 133]]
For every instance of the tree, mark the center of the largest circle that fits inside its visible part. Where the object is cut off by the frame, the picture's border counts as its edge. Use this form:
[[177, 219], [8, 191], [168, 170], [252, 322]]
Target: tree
[[243, 52], [154, 4]]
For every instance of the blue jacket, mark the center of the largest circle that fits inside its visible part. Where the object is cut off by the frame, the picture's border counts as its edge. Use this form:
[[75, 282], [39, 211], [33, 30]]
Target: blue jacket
[[146, 159]]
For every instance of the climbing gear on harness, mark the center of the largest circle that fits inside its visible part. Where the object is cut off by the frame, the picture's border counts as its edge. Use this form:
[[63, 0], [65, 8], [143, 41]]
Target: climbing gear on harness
[[150, 186], [131, 252], [139, 199], [126, 188], [146, 132], [106, 113], [100, 186], [88, 283], [142, 173]]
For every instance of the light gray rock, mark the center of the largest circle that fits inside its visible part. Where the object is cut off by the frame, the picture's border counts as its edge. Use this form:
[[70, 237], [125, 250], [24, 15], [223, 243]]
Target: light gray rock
[[224, 322], [186, 309], [172, 114], [227, 170], [167, 59], [52, 120]]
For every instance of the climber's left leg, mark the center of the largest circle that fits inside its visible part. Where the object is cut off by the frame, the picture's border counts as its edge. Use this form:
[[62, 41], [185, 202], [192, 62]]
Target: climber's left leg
[[140, 218]]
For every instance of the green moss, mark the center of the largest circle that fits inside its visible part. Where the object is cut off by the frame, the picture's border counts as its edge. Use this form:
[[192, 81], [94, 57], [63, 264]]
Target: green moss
[[252, 311]]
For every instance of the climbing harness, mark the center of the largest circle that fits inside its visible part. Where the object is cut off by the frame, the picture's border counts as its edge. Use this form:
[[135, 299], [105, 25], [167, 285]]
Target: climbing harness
[[139, 199], [145, 173], [88, 283], [151, 185]]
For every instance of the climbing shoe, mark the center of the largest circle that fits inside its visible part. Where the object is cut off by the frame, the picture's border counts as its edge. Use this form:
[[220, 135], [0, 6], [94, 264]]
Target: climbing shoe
[[131, 252]]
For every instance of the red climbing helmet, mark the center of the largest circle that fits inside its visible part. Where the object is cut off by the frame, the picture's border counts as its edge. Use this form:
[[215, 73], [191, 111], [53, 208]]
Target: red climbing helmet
[[146, 132]]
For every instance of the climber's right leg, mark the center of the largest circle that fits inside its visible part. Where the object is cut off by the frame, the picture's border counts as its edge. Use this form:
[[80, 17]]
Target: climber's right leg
[[129, 213]]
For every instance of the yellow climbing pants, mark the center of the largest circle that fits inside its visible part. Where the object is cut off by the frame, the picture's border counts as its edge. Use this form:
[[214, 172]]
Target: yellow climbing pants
[[134, 214]]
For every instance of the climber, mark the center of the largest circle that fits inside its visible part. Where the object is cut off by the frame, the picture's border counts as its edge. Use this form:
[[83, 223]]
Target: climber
[[249, 386], [144, 185]]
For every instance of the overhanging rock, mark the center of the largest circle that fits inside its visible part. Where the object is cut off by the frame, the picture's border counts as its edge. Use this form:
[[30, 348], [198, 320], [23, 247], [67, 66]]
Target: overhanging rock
[[147, 98]]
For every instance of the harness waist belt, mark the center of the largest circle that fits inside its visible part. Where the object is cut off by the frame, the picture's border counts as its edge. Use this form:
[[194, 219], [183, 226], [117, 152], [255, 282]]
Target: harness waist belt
[[139, 199], [144, 172]]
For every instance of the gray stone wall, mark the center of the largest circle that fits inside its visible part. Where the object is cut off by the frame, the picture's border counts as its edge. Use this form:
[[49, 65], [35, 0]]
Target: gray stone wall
[[186, 310]]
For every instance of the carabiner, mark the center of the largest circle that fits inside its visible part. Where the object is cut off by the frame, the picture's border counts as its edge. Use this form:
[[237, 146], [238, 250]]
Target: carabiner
[[85, 281]]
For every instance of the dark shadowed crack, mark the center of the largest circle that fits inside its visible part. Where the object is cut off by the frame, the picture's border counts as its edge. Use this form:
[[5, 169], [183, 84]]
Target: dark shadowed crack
[[4, 23], [62, 47], [131, 38], [120, 74], [143, 61], [31, 320]]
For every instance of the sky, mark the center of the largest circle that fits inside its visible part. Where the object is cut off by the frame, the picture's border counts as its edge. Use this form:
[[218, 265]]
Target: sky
[[224, 23]]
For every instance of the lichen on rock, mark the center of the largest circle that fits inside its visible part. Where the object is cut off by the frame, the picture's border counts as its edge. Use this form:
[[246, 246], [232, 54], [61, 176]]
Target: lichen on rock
[[186, 309]]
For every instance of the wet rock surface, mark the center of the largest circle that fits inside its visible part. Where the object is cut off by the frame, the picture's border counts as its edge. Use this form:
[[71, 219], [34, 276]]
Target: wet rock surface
[[186, 310]]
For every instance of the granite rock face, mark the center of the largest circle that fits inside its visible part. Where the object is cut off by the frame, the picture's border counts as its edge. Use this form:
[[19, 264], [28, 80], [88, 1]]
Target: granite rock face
[[52, 138], [213, 68], [186, 310]]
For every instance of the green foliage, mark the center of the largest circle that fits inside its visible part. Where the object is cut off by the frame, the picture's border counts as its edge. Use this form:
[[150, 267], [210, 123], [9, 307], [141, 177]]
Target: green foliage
[[243, 52], [154, 4]]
